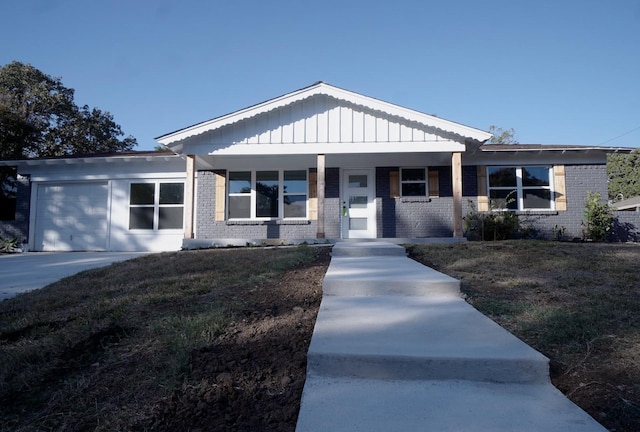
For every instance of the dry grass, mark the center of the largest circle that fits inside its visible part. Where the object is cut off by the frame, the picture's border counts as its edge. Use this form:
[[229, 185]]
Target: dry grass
[[92, 351], [106, 349], [579, 304]]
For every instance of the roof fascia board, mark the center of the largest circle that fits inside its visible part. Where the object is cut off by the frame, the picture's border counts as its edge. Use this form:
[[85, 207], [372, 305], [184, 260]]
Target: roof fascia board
[[339, 148], [87, 160]]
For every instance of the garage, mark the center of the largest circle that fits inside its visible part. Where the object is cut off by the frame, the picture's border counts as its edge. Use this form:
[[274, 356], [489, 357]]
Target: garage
[[72, 216]]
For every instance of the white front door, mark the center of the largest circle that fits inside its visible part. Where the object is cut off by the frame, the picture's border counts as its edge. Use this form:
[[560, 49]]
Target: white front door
[[358, 204]]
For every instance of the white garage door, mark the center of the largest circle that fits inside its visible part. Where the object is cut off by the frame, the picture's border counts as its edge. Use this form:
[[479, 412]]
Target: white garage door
[[71, 217]]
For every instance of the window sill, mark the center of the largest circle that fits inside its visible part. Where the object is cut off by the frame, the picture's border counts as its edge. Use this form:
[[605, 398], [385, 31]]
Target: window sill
[[269, 222], [528, 212], [537, 212], [415, 199]]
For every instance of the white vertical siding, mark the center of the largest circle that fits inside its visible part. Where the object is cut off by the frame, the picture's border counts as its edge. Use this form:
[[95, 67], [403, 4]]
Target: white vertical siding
[[319, 119], [334, 127]]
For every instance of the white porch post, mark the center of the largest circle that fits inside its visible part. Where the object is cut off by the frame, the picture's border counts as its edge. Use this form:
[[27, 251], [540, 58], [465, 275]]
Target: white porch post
[[189, 197], [320, 193], [456, 174]]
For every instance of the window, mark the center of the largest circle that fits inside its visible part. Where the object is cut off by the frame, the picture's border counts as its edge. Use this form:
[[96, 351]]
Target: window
[[239, 195], [156, 206], [520, 188], [413, 182], [267, 194]]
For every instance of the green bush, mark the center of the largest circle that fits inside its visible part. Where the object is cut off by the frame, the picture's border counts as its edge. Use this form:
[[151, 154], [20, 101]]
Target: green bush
[[598, 216], [494, 225]]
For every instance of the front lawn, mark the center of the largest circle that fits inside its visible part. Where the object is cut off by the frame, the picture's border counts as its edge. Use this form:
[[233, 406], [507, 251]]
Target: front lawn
[[577, 303]]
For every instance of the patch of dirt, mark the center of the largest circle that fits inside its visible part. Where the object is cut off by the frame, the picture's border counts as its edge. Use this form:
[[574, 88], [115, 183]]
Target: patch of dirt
[[252, 378]]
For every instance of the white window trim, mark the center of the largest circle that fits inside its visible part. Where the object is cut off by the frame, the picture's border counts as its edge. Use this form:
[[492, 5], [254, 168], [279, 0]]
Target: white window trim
[[156, 207], [425, 182], [281, 195], [520, 188]]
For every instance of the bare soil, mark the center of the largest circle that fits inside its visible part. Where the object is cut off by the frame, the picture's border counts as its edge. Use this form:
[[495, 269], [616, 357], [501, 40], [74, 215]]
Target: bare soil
[[252, 378], [112, 373]]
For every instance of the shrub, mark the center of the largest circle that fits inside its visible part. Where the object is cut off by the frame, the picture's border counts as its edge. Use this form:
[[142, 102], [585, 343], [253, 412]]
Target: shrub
[[8, 245], [495, 225], [598, 216]]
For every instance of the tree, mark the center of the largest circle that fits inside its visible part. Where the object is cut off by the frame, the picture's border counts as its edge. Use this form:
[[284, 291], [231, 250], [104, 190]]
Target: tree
[[501, 136], [38, 118], [623, 171]]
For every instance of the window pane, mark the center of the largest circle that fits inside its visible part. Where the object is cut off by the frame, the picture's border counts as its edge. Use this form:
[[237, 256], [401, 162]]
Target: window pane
[[358, 181], [535, 176], [267, 194], [239, 182], [267, 202], [414, 189], [142, 193], [358, 224], [502, 177], [267, 177], [239, 207], [358, 202], [504, 199], [295, 206], [295, 182], [141, 217], [170, 218], [171, 193], [413, 174], [537, 199]]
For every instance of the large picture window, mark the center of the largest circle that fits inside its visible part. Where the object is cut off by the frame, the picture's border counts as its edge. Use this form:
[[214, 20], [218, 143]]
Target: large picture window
[[267, 194], [156, 206], [520, 187]]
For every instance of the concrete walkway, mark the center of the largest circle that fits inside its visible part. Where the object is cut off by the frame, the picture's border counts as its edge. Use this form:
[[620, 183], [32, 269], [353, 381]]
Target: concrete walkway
[[395, 348]]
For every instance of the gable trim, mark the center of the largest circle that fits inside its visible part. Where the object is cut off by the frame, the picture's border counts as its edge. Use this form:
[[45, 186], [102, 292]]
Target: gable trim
[[321, 88]]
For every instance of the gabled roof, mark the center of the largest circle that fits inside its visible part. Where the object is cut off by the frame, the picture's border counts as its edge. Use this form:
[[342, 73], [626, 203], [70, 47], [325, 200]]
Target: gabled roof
[[321, 88]]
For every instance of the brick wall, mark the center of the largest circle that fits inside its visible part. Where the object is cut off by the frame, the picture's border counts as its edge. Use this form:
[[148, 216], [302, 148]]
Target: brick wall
[[579, 180], [398, 217], [414, 217]]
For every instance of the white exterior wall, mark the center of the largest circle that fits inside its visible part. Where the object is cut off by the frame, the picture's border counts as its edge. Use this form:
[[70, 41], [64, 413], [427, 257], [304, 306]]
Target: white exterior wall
[[118, 175]]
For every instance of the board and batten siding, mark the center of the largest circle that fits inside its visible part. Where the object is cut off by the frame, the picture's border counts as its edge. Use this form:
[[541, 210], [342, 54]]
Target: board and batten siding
[[319, 120]]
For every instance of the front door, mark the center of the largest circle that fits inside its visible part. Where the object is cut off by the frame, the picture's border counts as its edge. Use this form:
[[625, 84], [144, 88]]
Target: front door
[[358, 204]]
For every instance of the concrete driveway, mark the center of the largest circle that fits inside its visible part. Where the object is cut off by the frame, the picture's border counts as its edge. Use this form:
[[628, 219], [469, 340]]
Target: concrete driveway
[[23, 272]]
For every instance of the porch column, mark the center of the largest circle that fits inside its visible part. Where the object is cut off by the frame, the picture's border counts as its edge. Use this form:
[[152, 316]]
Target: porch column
[[320, 193], [189, 197], [456, 176]]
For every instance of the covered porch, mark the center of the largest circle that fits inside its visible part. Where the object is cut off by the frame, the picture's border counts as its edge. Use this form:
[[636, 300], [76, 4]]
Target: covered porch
[[347, 195]]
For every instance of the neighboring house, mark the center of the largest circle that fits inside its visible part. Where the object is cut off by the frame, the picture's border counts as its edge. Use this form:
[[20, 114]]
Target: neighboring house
[[316, 164], [630, 204]]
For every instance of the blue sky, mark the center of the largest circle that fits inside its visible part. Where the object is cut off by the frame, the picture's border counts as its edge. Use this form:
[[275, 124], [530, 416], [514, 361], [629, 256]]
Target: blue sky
[[556, 71]]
